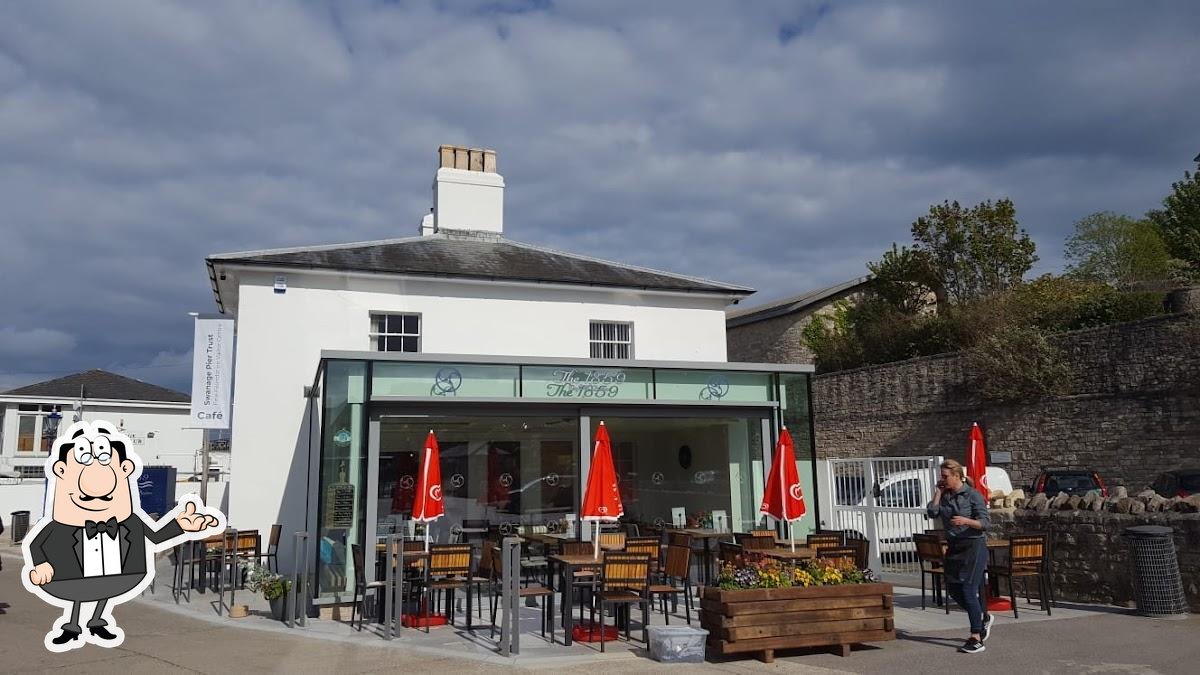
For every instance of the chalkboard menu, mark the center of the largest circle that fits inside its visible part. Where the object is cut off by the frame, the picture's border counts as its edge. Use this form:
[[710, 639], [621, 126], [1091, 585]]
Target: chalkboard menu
[[339, 505]]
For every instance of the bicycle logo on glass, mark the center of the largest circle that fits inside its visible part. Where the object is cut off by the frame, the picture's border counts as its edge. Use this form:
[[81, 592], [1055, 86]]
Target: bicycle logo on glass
[[716, 389], [446, 382]]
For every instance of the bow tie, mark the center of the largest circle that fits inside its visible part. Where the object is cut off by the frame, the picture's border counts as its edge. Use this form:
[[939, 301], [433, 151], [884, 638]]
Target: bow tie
[[108, 527]]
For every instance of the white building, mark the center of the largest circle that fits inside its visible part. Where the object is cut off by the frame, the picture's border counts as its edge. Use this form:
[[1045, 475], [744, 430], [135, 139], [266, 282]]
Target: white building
[[153, 417], [348, 354]]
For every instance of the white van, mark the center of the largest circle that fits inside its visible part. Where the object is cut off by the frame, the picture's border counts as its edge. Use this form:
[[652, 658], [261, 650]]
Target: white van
[[909, 490]]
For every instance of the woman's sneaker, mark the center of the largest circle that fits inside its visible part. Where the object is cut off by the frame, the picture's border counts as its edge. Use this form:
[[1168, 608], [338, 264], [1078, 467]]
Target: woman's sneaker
[[972, 646], [988, 620]]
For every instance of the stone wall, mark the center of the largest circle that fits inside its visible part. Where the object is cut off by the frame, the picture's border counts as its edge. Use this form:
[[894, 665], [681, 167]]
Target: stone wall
[[1091, 558], [1133, 410]]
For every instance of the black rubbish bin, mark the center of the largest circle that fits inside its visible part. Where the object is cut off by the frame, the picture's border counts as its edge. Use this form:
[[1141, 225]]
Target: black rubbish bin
[[1156, 581], [20, 525]]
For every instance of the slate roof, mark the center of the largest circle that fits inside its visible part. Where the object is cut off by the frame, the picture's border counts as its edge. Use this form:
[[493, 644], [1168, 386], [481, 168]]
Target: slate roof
[[100, 384], [477, 257], [796, 303]]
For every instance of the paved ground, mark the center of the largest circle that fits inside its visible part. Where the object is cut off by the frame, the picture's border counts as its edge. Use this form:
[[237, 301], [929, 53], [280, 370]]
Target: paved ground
[[164, 638]]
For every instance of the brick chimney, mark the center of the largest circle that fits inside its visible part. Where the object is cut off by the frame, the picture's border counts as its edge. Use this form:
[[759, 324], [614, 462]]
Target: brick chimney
[[468, 194]]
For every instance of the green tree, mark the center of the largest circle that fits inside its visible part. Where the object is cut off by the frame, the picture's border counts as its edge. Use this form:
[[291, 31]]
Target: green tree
[[1117, 250], [973, 252], [903, 278], [1179, 221]]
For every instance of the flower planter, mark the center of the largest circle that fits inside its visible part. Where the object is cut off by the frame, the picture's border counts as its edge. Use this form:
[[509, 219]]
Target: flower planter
[[763, 620], [278, 608]]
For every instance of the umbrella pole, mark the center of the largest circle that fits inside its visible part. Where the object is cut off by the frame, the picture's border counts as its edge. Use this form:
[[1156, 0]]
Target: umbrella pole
[[792, 536], [596, 543]]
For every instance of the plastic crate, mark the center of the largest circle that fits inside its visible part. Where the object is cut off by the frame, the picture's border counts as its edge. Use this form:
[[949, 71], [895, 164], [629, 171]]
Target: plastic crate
[[677, 644]]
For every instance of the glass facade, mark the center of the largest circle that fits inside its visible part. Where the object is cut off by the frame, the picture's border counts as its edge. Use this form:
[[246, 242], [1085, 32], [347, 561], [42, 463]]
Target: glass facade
[[495, 468], [341, 512], [690, 445], [688, 471]]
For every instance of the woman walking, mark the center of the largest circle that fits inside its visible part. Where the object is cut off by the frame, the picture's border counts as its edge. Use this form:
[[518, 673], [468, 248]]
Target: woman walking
[[965, 518]]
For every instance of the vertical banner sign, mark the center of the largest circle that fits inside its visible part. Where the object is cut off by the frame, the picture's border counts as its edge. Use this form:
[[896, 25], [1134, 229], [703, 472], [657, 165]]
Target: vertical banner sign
[[212, 360]]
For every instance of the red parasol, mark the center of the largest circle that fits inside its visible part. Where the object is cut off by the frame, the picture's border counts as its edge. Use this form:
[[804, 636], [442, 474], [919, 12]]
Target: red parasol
[[977, 462], [427, 502], [977, 472], [783, 497], [602, 498]]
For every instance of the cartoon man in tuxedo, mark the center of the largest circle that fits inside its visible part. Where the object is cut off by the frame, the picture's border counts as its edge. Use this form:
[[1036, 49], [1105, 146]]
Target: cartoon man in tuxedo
[[98, 545]]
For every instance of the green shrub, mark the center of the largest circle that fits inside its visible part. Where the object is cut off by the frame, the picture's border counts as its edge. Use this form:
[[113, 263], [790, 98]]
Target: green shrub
[[1019, 363]]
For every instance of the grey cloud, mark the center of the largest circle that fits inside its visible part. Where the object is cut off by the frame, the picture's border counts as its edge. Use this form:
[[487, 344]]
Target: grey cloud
[[775, 144]]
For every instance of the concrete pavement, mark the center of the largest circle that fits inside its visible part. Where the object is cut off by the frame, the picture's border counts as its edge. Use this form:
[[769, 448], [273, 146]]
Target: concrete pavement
[[162, 638]]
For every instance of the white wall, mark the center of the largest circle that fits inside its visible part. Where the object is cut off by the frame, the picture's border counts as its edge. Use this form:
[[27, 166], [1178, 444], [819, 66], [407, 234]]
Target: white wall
[[280, 338], [172, 445]]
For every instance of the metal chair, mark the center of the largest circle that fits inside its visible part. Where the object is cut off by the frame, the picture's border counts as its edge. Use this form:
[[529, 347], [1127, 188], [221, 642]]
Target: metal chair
[[272, 549], [361, 587], [496, 572], [1026, 558], [624, 581], [675, 574], [932, 559]]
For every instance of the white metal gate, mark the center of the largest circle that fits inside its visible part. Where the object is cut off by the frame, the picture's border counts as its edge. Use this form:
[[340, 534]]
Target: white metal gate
[[883, 499]]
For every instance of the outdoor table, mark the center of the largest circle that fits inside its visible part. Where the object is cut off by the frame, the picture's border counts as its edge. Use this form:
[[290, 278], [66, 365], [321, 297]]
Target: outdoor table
[[567, 566], [705, 535], [787, 554]]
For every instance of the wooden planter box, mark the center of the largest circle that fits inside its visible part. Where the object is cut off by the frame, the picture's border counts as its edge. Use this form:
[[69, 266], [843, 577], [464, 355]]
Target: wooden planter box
[[765, 619]]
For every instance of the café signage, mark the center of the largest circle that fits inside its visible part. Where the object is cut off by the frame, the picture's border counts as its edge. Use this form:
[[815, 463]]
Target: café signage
[[585, 383]]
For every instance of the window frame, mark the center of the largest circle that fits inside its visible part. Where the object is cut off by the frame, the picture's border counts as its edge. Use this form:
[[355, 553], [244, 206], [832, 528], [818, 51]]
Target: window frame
[[373, 335], [616, 343]]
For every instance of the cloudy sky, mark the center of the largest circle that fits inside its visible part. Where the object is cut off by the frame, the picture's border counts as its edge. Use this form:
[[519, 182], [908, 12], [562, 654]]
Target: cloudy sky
[[774, 144]]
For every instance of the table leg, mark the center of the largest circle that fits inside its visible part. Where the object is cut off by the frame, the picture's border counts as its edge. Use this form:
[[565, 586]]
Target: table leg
[[567, 600], [707, 560]]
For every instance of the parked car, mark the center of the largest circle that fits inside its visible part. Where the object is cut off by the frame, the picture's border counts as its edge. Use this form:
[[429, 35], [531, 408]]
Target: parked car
[[1069, 480], [1177, 483]]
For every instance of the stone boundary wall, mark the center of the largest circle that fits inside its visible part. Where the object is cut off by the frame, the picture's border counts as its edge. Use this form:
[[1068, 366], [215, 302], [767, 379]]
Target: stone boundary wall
[[1091, 560], [1133, 410]]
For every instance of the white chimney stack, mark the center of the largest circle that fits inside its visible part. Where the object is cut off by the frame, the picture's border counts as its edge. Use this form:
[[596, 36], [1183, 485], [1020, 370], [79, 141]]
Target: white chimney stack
[[468, 194]]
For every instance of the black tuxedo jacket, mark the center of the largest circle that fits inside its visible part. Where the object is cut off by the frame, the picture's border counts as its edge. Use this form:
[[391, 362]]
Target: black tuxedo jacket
[[62, 546]]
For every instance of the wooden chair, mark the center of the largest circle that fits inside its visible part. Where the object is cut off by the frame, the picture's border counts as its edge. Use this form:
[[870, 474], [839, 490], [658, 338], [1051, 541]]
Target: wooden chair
[[728, 552], [272, 549], [932, 559], [939, 533], [862, 552], [449, 569], [842, 534], [496, 573], [651, 546], [753, 543], [624, 581], [1026, 559], [675, 574], [840, 556], [764, 533], [820, 541], [361, 587], [584, 581], [612, 541]]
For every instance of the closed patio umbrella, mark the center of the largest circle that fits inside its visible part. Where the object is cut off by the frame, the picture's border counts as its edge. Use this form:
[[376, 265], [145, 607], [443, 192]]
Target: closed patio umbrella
[[427, 502], [783, 497], [977, 462], [601, 498]]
